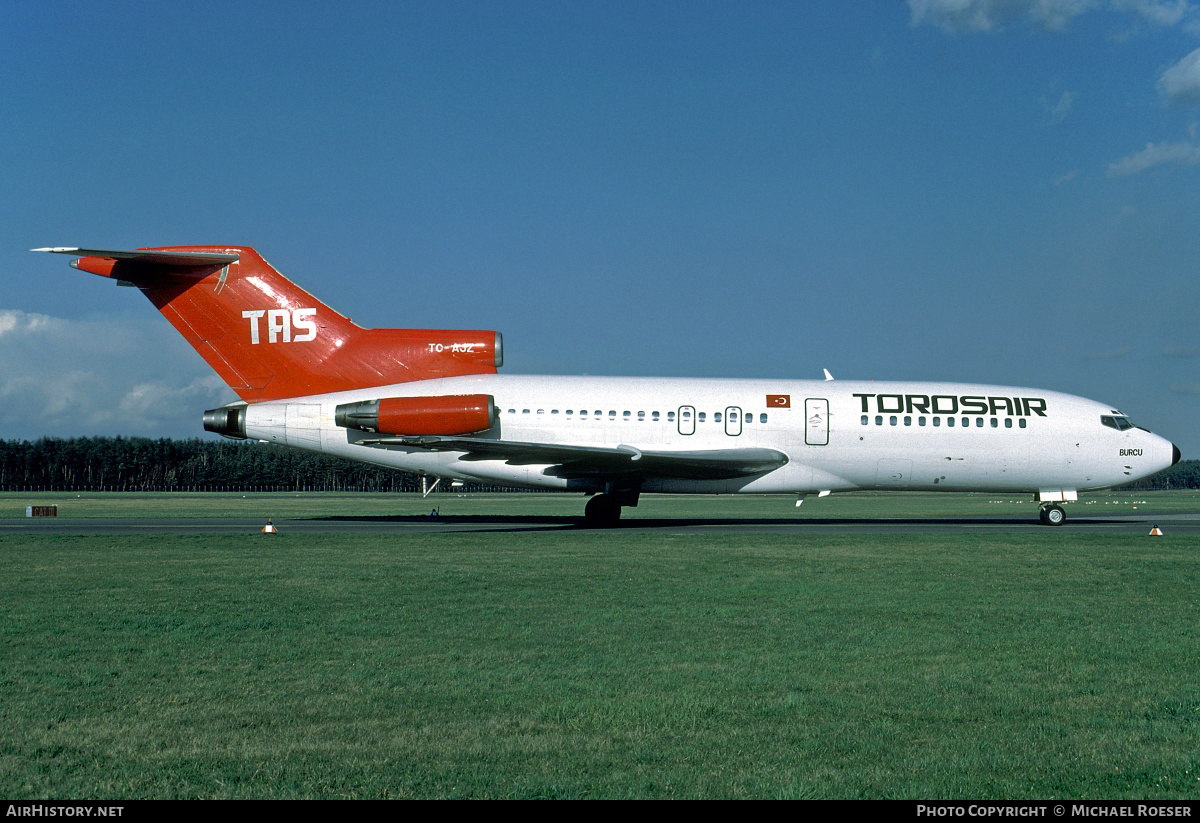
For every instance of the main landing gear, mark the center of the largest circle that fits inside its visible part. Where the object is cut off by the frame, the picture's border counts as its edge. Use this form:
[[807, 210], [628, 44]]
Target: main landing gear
[[603, 511], [1052, 514]]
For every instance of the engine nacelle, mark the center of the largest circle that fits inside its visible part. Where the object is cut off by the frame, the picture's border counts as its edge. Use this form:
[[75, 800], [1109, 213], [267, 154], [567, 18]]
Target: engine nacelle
[[229, 421], [449, 415]]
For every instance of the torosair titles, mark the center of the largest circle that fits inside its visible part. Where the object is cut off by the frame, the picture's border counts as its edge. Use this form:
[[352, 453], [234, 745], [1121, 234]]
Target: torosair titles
[[950, 404]]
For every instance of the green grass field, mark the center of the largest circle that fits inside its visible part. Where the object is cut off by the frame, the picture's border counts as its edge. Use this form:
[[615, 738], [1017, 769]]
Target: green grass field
[[1039, 664], [864, 505]]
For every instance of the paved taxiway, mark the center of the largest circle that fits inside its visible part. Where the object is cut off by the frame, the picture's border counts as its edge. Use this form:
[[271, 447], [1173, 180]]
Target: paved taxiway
[[1178, 524]]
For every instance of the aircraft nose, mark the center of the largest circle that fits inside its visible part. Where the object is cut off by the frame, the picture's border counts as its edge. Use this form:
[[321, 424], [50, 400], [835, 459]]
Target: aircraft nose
[[1174, 454]]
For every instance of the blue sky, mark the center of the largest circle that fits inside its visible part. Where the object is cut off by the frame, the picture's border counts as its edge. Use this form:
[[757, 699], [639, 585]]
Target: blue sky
[[1002, 192]]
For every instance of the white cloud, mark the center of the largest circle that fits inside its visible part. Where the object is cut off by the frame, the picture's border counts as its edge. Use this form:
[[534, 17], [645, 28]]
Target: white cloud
[[1156, 154], [965, 16], [1159, 12], [1056, 14], [988, 15], [16, 322], [1181, 82], [100, 377], [1058, 111], [156, 400]]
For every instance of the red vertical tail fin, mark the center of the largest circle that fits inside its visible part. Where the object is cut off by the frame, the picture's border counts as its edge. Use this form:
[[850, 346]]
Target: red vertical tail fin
[[269, 339]]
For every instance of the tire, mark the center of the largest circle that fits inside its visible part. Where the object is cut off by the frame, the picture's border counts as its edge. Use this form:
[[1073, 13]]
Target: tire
[[601, 512], [1055, 516]]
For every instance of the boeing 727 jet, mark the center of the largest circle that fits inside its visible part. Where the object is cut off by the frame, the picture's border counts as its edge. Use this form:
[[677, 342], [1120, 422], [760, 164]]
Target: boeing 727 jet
[[432, 402]]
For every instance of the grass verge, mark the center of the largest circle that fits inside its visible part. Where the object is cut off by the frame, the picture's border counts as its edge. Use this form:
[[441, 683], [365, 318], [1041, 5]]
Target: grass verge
[[600, 665]]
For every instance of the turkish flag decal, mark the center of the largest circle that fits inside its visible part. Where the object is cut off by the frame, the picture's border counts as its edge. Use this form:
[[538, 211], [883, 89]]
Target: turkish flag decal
[[779, 401]]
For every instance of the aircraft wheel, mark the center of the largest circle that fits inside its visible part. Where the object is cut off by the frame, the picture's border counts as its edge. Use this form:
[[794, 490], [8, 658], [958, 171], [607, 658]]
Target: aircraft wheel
[[601, 512], [1054, 516]]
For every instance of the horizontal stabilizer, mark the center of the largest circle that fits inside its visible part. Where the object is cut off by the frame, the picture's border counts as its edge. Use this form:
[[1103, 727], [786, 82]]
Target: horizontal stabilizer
[[157, 258]]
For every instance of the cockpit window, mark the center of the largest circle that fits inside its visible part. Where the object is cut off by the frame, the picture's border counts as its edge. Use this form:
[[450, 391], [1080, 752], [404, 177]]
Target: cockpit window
[[1116, 421]]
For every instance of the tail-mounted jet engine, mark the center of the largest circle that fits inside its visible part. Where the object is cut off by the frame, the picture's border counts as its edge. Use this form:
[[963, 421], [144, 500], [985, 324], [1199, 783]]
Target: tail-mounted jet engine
[[456, 414], [228, 421]]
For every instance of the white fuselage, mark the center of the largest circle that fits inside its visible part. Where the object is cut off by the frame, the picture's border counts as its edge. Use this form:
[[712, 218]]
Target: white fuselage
[[837, 435]]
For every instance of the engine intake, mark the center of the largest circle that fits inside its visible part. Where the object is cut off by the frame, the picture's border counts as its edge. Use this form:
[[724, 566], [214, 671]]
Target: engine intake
[[449, 415]]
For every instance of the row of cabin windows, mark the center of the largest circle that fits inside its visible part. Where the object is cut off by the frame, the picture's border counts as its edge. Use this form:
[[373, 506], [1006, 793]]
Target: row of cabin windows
[[893, 420], [598, 414]]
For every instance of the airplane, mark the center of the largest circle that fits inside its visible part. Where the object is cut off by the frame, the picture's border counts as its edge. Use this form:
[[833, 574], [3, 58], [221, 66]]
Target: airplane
[[433, 403]]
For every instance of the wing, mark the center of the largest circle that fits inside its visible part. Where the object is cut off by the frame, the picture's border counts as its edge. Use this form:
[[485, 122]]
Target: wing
[[599, 461]]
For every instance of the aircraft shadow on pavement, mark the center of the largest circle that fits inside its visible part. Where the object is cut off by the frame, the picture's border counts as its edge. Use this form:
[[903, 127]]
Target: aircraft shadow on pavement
[[499, 522]]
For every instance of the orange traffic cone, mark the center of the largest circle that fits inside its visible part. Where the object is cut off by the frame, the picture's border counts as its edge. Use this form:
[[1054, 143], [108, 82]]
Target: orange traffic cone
[[269, 528], [1156, 532]]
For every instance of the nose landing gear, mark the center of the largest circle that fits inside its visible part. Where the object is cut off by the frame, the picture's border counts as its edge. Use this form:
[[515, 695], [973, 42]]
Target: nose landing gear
[[1052, 514]]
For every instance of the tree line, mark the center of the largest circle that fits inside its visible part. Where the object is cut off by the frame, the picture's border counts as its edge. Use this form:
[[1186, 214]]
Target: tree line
[[144, 464], [1183, 475]]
